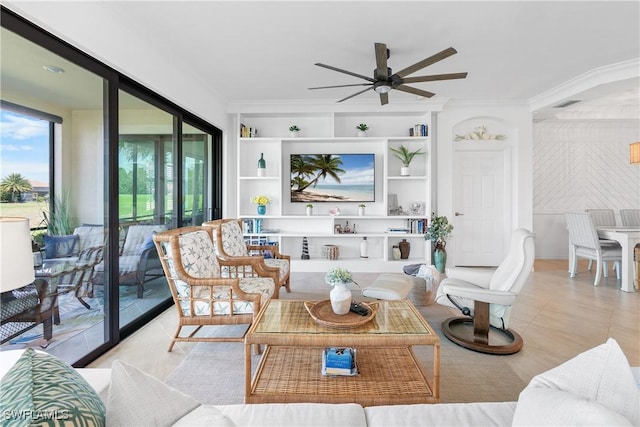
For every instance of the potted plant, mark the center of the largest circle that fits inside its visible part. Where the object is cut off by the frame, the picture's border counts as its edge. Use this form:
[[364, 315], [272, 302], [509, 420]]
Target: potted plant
[[438, 231], [293, 131], [362, 129], [262, 201], [405, 157], [309, 209], [361, 209]]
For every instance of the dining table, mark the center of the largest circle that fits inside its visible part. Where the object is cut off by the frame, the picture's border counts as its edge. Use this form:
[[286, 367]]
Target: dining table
[[628, 237]]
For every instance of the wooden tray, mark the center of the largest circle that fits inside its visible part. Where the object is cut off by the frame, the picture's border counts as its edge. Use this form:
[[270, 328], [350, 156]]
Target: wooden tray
[[323, 314]]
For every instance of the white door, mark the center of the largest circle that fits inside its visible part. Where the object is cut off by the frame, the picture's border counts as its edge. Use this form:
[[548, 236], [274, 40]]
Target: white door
[[480, 219]]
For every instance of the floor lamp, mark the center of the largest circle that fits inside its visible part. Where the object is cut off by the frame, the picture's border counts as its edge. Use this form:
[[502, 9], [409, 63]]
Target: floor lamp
[[16, 258]]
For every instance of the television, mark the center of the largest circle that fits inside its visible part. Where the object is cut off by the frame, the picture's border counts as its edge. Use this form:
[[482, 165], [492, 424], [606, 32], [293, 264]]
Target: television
[[332, 178]]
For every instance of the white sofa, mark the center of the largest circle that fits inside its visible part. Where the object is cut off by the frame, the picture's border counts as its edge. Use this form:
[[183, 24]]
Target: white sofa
[[596, 387]]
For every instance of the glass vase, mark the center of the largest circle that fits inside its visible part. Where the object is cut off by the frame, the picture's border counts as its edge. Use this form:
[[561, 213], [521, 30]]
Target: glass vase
[[340, 298]]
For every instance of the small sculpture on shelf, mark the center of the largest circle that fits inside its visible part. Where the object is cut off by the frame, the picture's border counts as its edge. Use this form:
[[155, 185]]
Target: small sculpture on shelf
[[305, 249], [362, 129]]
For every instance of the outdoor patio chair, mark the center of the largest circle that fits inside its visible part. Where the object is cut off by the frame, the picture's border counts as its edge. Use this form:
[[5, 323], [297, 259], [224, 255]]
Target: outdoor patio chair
[[202, 296], [234, 254]]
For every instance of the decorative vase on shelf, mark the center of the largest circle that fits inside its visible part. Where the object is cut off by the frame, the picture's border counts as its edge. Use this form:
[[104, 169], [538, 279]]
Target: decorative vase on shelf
[[404, 171], [405, 248], [440, 256], [364, 248], [262, 165], [262, 209], [340, 298], [395, 252]]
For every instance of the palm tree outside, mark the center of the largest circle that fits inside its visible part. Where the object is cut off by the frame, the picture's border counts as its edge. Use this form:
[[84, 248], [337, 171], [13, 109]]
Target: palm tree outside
[[14, 185]]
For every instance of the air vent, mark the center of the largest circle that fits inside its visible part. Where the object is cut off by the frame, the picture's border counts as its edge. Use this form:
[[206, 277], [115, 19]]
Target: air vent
[[566, 104]]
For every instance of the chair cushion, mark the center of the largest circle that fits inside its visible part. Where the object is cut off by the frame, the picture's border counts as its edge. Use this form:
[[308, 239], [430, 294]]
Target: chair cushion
[[40, 389], [233, 242], [598, 382], [60, 246], [138, 399], [137, 234], [90, 236], [281, 264]]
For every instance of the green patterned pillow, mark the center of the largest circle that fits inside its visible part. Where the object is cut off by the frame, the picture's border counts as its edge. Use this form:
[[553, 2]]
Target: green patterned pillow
[[41, 389]]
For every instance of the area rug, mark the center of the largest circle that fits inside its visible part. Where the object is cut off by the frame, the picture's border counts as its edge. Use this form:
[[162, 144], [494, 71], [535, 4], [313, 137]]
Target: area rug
[[213, 373]]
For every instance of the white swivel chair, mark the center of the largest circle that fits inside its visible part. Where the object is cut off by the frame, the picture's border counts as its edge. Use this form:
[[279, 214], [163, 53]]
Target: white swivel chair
[[630, 217], [485, 297], [584, 243]]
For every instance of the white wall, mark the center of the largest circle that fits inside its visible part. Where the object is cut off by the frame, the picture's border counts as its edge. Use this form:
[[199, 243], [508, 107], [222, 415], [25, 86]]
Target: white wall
[[580, 165]]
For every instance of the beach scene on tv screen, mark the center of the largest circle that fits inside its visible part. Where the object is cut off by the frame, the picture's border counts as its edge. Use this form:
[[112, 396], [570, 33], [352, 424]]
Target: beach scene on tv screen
[[332, 178]]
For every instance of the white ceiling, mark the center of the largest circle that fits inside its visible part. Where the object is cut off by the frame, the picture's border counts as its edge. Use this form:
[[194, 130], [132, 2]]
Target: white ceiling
[[514, 51]]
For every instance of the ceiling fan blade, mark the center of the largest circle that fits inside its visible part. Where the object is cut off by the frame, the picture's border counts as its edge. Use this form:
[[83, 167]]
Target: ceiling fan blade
[[329, 87], [434, 77], [382, 70], [384, 98], [356, 94], [415, 91], [340, 70], [427, 61]]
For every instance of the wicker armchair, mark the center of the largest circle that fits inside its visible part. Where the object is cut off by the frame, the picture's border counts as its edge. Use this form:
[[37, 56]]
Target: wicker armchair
[[233, 253], [202, 297]]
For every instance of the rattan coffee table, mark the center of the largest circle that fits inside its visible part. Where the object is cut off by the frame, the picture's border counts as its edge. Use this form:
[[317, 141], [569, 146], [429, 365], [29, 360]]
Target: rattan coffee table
[[390, 373]]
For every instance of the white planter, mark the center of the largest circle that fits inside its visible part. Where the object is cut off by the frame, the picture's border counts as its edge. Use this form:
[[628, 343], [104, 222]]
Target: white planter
[[293, 134], [361, 133], [361, 210], [404, 171], [340, 298], [309, 211]]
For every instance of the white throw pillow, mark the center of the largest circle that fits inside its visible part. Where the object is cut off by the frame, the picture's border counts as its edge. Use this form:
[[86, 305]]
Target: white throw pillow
[[598, 381], [138, 399]]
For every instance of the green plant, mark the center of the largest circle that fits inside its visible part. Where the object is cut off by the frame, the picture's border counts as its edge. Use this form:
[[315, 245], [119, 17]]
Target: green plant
[[261, 200], [362, 205], [309, 205], [58, 218], [294, 128], [405, 155], [439, 229], [362, 127]]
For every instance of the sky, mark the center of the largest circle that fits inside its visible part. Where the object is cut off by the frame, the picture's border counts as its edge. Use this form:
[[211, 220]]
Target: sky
[[24, 147]]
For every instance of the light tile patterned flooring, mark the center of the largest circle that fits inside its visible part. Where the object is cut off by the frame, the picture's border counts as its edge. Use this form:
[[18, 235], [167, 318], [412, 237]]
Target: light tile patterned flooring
[[557, 316]]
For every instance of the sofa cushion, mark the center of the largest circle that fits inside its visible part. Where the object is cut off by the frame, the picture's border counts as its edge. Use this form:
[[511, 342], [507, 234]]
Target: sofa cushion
[[296, 414], [205, 416], [449, 414], [138, 399], [601, 375], [40, 389]]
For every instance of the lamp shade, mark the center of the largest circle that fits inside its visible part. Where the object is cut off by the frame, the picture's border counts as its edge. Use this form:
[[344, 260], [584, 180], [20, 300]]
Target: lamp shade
[[634, 153], [16, 259]]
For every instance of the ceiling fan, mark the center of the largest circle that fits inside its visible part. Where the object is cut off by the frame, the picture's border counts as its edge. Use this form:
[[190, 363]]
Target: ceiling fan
[[384, 81]]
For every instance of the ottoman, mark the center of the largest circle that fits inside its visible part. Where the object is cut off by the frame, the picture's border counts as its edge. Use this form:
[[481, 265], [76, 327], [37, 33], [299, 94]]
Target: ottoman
[[390, 286]]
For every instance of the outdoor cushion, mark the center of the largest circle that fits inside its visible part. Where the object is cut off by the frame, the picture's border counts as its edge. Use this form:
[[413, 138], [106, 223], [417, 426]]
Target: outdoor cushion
[[60, 246]]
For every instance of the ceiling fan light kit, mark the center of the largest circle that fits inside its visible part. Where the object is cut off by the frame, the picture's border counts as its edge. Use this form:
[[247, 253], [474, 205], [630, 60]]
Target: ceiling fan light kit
[[384, 80]]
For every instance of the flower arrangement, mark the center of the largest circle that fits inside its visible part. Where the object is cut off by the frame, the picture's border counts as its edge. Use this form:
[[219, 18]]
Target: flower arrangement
[[439, 229], [480, 133], [362, 127], [261, 200], [339, 275]]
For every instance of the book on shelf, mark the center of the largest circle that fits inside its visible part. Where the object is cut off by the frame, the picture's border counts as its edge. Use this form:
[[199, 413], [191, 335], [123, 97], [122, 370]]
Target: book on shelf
[[419, 130], [339, 361], [398, 230], [247, 132]]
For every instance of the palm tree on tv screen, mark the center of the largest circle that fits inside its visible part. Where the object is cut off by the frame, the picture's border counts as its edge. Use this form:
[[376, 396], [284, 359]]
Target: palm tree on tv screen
[[320, 165]]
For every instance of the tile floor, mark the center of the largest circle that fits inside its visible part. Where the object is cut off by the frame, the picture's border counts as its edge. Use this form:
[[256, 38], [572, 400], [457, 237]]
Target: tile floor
[[558, 317]]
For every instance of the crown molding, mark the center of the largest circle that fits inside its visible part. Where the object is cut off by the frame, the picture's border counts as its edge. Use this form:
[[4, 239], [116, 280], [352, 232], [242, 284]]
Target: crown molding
[[331, 106], [598, 76]]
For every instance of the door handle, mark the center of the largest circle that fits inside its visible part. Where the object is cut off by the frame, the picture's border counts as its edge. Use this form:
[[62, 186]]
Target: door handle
[[458, 214]]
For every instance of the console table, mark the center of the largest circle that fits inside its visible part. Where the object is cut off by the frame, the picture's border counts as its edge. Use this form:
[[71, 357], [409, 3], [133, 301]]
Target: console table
[[389, 371]]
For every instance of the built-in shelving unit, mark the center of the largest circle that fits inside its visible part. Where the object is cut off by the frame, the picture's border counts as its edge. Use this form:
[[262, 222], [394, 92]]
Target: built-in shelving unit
[[287, 224]]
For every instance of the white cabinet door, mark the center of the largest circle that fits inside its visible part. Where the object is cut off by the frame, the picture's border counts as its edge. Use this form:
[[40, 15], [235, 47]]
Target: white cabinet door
[[480, 217]]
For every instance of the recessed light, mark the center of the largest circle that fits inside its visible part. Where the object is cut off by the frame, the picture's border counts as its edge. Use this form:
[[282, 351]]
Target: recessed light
[[53, 69]]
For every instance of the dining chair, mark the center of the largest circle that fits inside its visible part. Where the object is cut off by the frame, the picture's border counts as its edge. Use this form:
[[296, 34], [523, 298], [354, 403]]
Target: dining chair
[[603, 218], [584, 243], [630, 217]]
